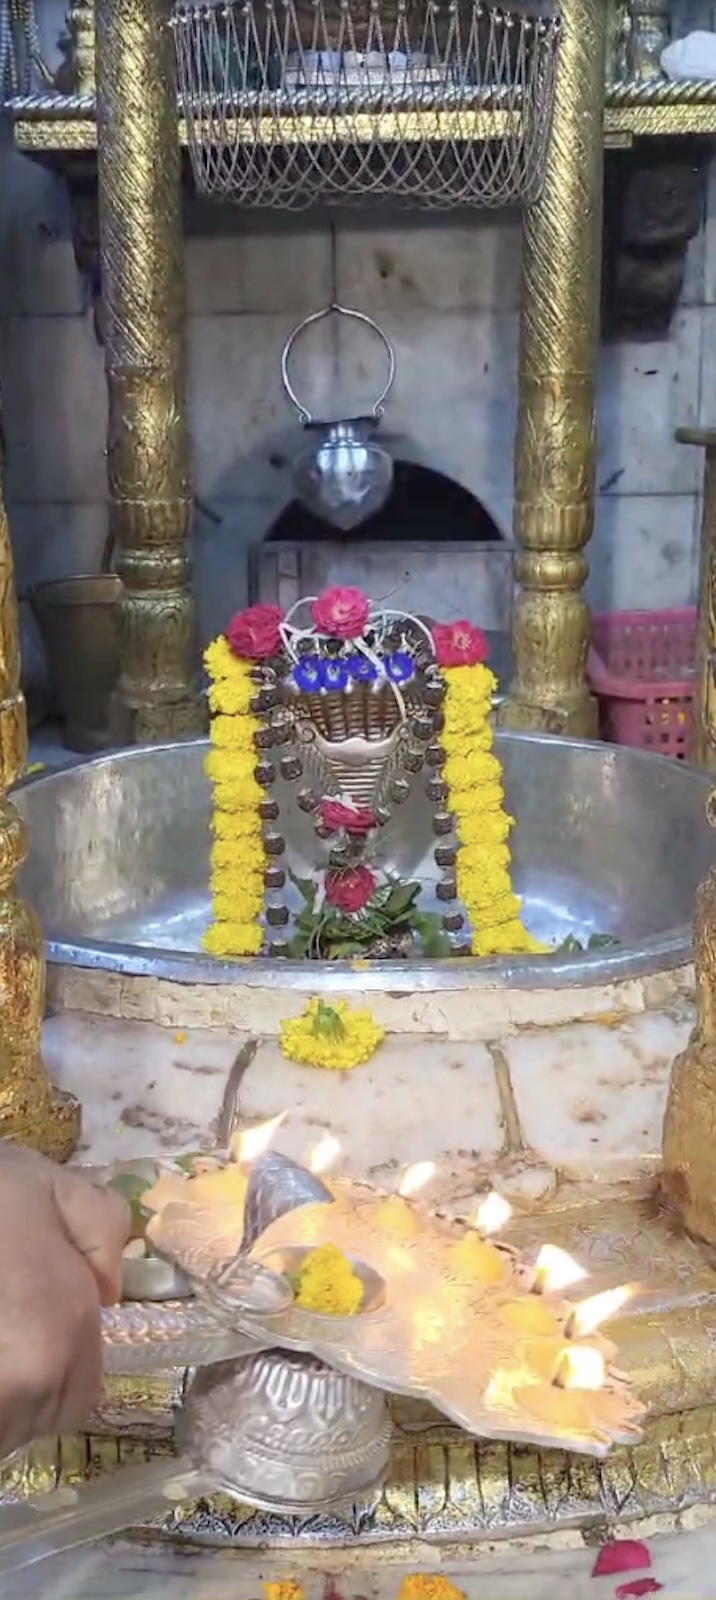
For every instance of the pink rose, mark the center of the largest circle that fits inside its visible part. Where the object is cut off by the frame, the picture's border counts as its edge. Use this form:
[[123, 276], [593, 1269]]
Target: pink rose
[[356, 818], [350, 890], [254, 634], [458, 644], [341, 613]]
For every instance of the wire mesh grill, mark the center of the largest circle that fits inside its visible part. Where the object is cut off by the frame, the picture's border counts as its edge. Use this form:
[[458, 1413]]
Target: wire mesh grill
[[439, 103]]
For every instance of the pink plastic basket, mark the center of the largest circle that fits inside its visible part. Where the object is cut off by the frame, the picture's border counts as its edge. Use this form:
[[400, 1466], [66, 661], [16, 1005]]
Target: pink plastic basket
[[642, 668]]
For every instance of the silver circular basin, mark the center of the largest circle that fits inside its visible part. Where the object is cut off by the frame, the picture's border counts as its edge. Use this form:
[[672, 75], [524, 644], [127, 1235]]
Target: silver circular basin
[[608, 841]]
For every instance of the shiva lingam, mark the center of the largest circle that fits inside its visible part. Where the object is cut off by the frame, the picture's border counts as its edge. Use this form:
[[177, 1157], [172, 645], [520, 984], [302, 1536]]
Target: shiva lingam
[[359, 700]]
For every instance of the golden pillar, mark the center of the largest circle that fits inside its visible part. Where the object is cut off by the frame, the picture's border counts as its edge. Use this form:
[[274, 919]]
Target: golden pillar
[[556, 436], [31, 1111], [689, 1171], [142, 262]]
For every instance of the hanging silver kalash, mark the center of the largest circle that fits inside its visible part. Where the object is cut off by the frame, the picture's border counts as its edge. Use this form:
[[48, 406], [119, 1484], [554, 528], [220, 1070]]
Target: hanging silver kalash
[[286, 1407], [343, 476], [439, 103]]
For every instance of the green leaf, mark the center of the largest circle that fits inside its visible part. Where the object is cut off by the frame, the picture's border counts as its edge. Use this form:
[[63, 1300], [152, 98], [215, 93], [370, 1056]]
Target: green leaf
[[570, 947], [600, 941], [344, 948], [298, 947], [185, 1163], [402, 898], [306, 888], [130, 1185]]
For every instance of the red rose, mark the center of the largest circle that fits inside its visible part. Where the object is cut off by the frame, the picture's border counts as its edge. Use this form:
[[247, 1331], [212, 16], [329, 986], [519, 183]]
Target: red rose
[[254, 634], [458, 644], [350, 890], [355, 818], [341, 613]]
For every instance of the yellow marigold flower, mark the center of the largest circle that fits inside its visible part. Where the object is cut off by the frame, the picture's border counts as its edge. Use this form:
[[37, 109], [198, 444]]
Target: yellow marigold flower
[[429, 1586], [239, 793], [230, 907], [222, 665], [476, 799], [230, 766], [331, 1036], [226, 939], [488, 900], [233, 825], [461, 731], [231, 697], [472, 770], [285, 1590], [327, 1284], [228, 857], [472, 683], [478, 859], [235, 733], [476, 828]]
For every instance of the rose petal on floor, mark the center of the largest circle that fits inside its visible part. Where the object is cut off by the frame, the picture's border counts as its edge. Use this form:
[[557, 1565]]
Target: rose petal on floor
[[622, 1555], [638, 1587]]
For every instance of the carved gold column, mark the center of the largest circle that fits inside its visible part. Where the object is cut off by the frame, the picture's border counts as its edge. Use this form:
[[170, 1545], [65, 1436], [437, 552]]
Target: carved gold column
[[143, 286], [31, 1111], [689, 1171], [556, 438]]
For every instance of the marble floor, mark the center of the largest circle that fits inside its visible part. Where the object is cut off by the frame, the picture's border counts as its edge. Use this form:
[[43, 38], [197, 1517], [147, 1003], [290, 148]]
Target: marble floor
[[682, 1566]]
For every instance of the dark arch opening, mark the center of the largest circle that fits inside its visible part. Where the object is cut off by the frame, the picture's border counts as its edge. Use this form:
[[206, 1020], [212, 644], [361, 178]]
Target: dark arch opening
[[424, 506]]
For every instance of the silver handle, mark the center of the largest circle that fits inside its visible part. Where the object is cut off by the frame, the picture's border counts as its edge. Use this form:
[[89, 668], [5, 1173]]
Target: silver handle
[[36, 1531], [318, 316]]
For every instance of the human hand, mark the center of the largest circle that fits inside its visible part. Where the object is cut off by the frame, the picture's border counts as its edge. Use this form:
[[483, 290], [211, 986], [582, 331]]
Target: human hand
[[61, 1242]]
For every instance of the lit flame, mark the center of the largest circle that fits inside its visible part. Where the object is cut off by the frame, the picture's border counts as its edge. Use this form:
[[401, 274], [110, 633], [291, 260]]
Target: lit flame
[[589, 1316], [324, 1155], [250, 1143], [581, 1367], [555, 1270], [415, 1178], [493, 1213]]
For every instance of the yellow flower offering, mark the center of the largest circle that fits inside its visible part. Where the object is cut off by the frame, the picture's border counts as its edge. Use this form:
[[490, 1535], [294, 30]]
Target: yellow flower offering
[[327, 1284], [286, 1590], [474, 776], [331, 1036], [238, 859], [429, 1586]]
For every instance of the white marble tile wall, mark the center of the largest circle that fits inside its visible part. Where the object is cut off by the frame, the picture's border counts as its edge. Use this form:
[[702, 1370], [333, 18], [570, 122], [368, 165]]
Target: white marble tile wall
[[445, 290]]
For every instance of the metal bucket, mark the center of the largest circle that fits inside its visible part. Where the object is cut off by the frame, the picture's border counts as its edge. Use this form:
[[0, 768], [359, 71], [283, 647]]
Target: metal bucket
[[77, 618]]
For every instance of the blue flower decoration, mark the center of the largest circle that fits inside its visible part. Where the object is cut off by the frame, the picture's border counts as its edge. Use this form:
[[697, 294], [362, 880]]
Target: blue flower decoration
[[400, 667], [361, 669], [335, 675], [308, 674]]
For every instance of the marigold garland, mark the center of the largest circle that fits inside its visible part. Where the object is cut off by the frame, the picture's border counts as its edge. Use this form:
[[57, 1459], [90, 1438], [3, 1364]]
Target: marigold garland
[[328, 1285], [474, 777], [331, 1036], [237, 854]]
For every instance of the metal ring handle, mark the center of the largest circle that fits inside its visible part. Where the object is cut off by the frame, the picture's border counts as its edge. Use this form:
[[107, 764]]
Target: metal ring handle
[[318, 316]]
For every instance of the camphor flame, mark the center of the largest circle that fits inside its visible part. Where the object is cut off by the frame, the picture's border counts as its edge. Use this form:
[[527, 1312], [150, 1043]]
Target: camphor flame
[[323, 1155], [415, 1178], [250, 1143], [555, 1270], [493, 1213], [581, 1367], [589, 1316]]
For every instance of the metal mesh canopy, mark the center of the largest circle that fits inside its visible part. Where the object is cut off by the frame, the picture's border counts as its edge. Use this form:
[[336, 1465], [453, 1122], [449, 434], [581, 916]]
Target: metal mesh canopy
[[438, 103]]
